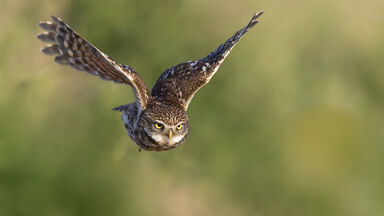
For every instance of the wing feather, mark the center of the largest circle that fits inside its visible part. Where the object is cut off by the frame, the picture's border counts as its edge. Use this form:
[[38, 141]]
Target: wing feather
[[69, 48], [180, 83]]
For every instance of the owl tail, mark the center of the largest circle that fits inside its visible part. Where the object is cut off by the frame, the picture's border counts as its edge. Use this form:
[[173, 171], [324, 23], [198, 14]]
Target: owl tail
[[217, 57]]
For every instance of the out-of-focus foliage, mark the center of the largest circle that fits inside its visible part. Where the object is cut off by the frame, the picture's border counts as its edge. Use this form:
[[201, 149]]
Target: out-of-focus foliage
[[292, 124]]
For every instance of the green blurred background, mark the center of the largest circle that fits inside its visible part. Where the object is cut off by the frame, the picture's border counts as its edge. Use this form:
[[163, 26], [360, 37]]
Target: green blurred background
[[292, 124]]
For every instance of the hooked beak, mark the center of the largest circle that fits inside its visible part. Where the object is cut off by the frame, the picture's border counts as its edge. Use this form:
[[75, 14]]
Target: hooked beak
[[170, 134]]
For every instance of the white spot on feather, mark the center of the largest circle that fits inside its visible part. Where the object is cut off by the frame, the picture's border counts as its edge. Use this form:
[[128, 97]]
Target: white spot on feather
[[70, 53], [61, 51], [65, 44], [72, 60]]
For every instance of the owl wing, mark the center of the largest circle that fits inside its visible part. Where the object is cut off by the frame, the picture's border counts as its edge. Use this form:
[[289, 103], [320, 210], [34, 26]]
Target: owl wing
[[180, 83], [71, 49]]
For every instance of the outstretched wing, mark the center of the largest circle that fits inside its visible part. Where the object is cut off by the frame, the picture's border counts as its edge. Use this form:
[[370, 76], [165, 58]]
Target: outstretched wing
[[180, 83], [71, 49]]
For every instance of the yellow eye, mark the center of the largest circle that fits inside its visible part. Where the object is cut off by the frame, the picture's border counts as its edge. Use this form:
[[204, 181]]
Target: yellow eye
[[179, 127], [158, 125]]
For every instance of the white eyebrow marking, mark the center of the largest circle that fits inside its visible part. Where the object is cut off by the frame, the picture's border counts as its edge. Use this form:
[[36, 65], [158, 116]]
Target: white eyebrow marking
[[158, 121]]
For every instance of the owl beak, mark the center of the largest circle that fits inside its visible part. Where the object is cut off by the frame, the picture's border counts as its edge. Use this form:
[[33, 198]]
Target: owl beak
[[170, 134]]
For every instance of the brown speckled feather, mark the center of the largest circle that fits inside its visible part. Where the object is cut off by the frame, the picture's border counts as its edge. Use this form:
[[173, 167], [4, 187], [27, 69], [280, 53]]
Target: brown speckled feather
[[179, 84], [71, 49]]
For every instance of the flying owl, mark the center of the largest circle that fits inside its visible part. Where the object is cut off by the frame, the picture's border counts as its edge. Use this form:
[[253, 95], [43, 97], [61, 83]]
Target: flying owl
[[157, 120]]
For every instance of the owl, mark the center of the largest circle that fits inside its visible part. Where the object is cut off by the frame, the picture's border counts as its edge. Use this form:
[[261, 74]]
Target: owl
[[157, 120]]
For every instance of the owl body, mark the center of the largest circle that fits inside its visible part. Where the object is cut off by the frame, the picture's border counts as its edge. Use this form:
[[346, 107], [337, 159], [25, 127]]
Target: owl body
[[157, 120]]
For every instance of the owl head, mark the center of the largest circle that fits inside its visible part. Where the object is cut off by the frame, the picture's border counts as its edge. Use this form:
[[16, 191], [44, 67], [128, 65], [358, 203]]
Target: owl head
[[166, 125]]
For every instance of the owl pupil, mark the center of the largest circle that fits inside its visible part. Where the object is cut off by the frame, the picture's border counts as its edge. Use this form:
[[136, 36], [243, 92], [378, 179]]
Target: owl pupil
[[158, 125]]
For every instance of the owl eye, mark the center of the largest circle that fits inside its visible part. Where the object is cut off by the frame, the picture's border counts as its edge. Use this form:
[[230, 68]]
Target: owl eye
[[159, 125], [179, 127]]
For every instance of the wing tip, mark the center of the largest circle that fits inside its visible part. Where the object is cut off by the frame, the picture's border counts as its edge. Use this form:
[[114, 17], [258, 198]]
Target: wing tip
[[120, 108], [47, 37], [54, 18], [47, 25], [254, 19], [62, 60], [52, 49]]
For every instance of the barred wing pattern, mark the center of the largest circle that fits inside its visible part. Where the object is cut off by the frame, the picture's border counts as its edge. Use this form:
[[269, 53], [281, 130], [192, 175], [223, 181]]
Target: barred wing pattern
[[71, 49], [180, 83]]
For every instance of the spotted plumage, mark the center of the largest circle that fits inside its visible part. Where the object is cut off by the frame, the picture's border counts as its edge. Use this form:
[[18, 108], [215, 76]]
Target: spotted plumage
[[157, 120]]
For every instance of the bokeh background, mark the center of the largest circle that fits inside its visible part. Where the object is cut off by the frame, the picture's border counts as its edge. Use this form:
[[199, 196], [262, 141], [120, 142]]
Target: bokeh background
[[292, 124]]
